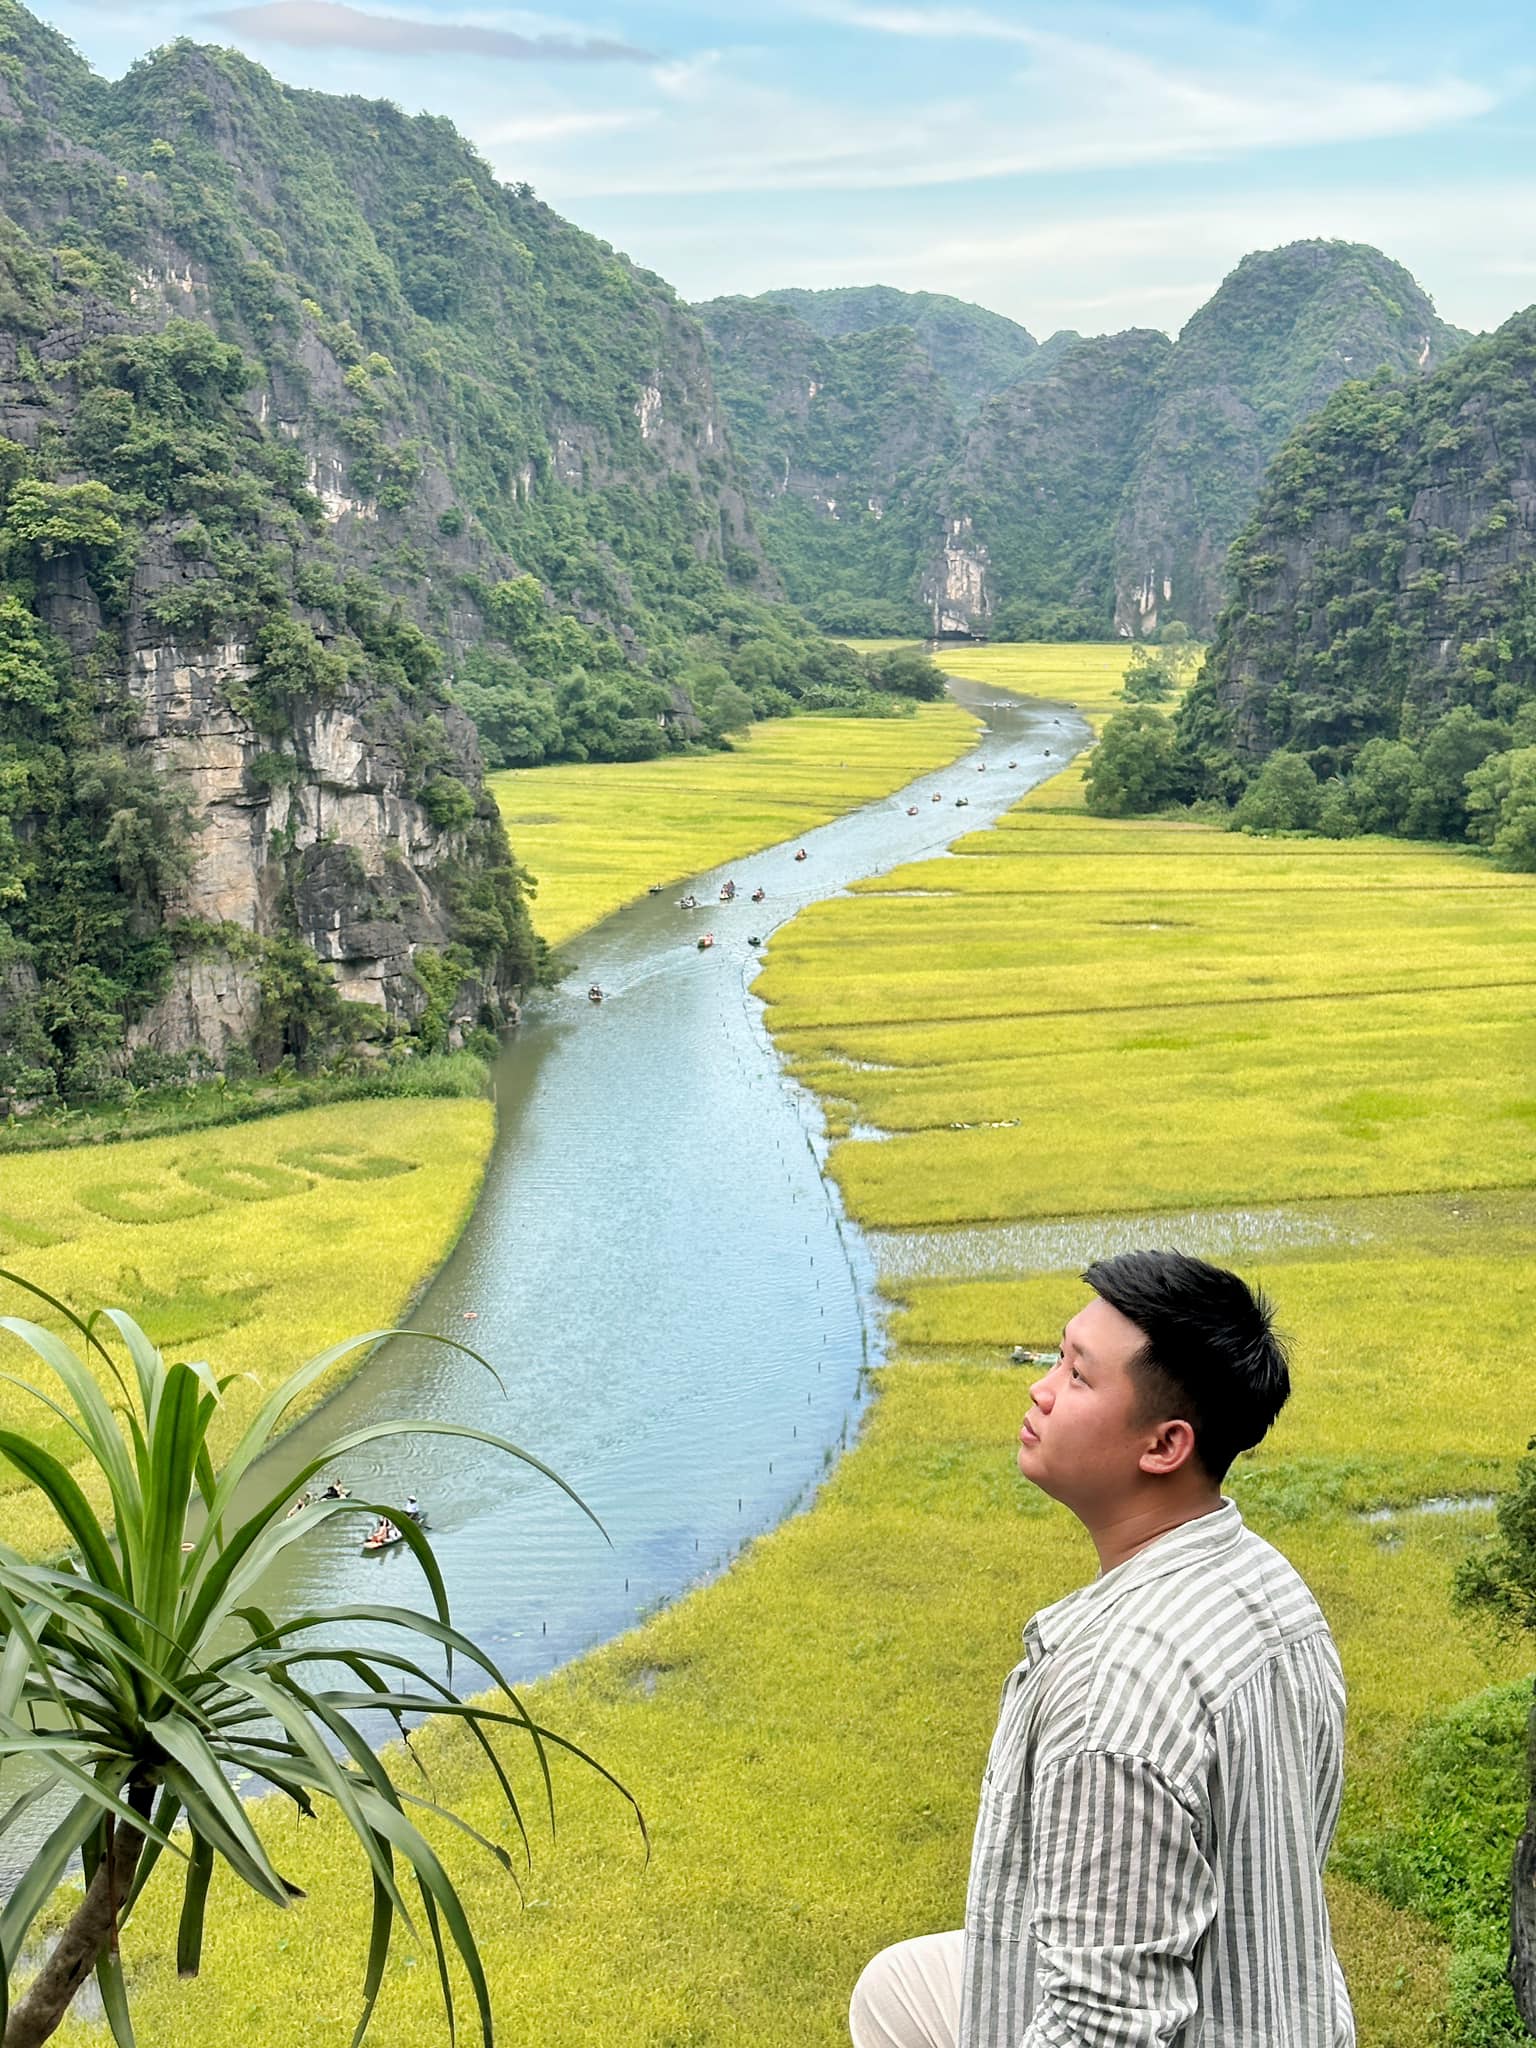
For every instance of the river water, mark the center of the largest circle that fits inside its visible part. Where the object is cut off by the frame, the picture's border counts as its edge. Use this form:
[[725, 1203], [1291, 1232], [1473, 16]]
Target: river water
[[676, 1305]]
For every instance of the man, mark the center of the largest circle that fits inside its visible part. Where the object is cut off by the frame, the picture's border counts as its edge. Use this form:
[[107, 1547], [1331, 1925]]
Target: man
[[1165, 1777]]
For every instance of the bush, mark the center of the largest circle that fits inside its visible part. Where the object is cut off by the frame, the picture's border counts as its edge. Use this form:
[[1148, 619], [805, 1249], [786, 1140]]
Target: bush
[[1283, 797], [1136, 767]]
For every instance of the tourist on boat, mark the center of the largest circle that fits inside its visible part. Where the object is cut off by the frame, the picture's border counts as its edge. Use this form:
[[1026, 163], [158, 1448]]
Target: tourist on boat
[[333, 1491], [386, 1532], [594, 993], [413, 1507], [727, 891], [801, 854], [759, 895]]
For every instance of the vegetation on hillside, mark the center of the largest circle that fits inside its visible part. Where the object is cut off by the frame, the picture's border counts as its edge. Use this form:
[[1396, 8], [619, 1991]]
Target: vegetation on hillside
[[294, 394], [1375, 669]]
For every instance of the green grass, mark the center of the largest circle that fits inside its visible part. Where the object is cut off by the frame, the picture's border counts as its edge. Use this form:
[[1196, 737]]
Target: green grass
[[597, 836]]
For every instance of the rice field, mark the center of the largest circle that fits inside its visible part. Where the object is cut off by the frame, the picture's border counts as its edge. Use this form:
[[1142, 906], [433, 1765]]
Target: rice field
[[254, 1245], [807, 1734], [596, 835]]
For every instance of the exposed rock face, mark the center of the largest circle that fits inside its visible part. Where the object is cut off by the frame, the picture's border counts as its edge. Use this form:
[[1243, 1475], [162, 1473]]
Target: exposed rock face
[[955, 588], [1389, 572], [839, 438], [339, 854], [1285, 330], [1025, 506], [1111, 483], [332, 381]]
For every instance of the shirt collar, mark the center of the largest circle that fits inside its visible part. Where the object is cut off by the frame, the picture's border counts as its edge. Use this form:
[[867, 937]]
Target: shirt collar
[[1194, 1542]]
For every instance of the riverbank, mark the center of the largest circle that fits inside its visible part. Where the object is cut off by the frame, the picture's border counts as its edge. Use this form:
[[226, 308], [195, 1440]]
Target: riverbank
[[207, 1230]]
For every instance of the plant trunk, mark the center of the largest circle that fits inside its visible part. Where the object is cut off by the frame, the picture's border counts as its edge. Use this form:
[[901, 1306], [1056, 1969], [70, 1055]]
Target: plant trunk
[[1522, 1913], [91, 1928]]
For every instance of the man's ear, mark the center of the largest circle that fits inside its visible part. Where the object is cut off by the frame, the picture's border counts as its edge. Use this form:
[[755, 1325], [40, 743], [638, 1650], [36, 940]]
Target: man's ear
[[1171, 1449]]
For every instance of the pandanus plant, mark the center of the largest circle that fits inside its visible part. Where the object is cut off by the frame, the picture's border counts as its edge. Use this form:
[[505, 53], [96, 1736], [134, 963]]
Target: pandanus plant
[[139, 1677]]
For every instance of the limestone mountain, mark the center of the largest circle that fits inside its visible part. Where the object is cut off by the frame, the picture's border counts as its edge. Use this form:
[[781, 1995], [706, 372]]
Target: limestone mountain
[[309, 430], [1029, 508], [1386, 585], [974, 352], [1279, 336], [840, 439]]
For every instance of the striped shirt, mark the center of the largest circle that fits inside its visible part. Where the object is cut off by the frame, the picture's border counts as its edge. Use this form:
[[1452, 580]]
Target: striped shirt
[[1157, 1807]]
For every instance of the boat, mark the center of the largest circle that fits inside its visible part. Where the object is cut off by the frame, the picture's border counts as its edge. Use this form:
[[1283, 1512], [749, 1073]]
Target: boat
[[938, 796], [962, 803], [727, 892], [981, 767], [687, 902], [754, 940], [801, 854], [388, 1534], [1013, 764], [1047, 753], [911, 810], [706, 942], [594, 993], [655, 889], [758, 895]]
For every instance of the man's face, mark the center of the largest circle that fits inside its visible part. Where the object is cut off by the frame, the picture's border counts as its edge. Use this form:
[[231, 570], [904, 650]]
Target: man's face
[[1083, 1438]]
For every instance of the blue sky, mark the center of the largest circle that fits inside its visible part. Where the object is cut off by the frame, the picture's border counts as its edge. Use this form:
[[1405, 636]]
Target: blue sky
[[1080, 166]]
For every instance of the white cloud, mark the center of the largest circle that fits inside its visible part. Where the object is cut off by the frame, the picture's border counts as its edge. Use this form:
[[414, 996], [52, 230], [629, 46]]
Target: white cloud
[[1456, 239], [1075, 105], [562, 125]]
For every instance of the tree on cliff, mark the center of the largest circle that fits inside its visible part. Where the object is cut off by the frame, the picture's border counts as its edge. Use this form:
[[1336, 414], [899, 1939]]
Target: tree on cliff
[[1501, 1580], [138, 1676]]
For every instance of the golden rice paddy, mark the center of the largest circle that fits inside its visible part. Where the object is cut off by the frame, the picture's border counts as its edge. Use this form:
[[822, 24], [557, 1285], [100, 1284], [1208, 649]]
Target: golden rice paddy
[[596, 835], [1066, 1020]]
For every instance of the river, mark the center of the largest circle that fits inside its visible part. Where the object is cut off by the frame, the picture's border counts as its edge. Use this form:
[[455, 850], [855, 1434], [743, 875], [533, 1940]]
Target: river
[[678, 1309], [673, 1300]]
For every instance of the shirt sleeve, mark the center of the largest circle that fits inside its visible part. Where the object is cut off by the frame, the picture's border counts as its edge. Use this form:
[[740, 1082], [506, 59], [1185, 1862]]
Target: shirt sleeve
[[1122, 1897]]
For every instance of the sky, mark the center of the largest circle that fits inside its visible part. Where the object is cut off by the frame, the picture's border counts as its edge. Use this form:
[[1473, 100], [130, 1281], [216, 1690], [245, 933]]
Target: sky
[[1082, 166]]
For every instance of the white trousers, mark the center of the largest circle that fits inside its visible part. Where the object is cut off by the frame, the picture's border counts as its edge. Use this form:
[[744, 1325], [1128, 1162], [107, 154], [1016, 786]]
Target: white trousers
[[909, 1996]]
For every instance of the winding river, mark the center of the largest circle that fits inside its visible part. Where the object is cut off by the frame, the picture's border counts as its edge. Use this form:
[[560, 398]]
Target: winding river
[[678, 1309]]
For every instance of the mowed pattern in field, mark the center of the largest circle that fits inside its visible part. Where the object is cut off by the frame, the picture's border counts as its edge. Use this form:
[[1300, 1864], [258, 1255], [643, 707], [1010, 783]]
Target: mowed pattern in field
[[254, 1246], [596, 835]]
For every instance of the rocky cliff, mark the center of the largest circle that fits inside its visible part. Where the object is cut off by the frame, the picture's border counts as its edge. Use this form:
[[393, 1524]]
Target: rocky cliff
[[1388, 576], [303, 418], [838, 439], [1026, 509], [1057, 491], [1282, 333]]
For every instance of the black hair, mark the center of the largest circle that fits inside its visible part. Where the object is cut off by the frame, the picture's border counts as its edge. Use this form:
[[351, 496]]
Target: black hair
[[1212, 1357]]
